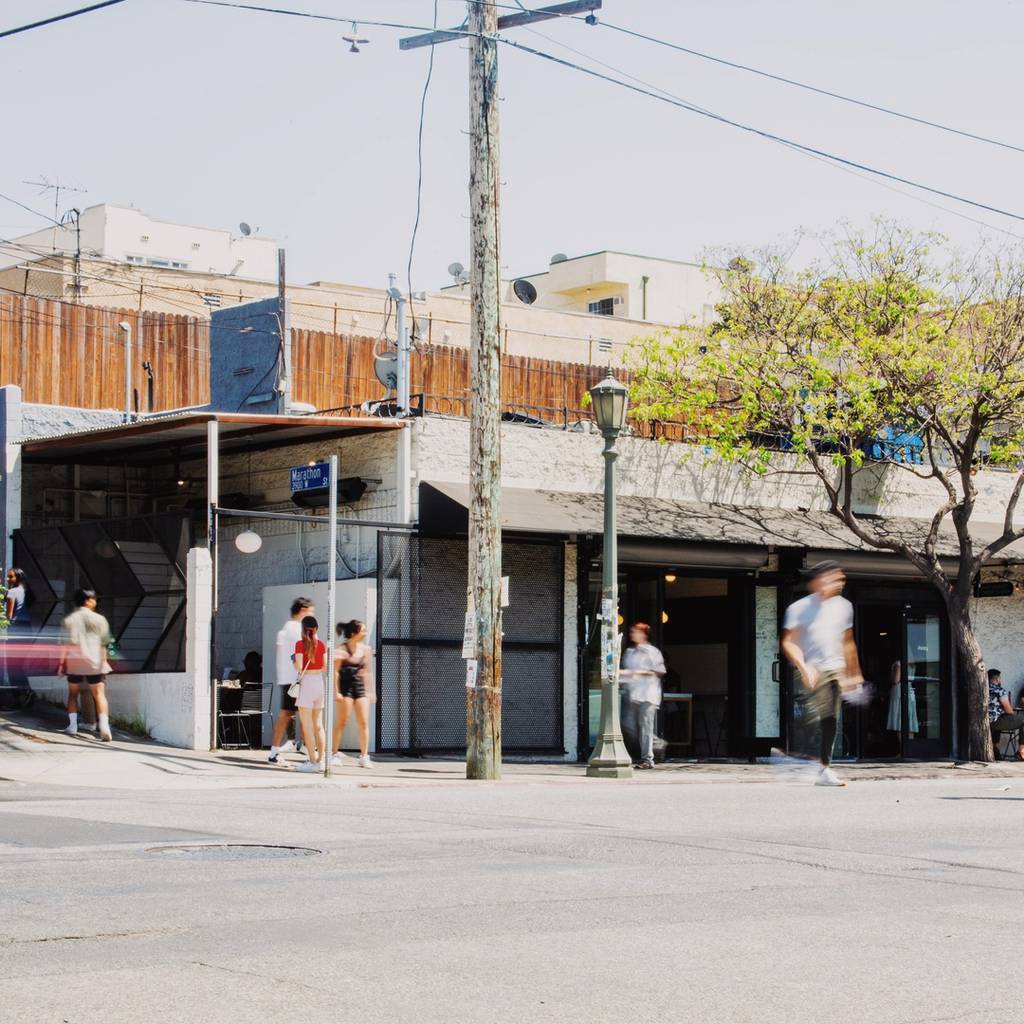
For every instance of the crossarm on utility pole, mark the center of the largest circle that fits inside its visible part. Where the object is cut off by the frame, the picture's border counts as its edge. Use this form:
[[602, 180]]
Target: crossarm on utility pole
[[563, 10]]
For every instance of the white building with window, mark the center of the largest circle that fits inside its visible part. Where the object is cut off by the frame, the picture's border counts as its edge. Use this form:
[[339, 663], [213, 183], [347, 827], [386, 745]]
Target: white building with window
[[126, 235], [621, 285]]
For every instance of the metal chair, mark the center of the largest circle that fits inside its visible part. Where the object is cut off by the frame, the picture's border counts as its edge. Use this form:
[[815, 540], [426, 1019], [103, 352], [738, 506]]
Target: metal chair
[[1011, 743], [251, 711]]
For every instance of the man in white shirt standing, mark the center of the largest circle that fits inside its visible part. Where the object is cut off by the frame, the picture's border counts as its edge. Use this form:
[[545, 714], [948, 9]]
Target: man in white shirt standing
[[284, 650], [817, 638]]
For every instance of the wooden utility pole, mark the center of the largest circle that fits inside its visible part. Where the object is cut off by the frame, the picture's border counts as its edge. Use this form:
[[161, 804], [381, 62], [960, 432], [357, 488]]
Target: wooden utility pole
[[483, 640], [483, 701]]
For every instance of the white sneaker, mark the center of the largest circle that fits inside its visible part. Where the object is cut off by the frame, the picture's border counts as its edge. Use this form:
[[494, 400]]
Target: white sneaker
[[829, 778], [71, 730], [308, 766], [286, 748], [337, 759], [365, 762], [105, 737]]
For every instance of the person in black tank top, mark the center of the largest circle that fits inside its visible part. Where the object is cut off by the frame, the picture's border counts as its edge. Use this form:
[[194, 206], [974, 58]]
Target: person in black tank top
[[353, 662]]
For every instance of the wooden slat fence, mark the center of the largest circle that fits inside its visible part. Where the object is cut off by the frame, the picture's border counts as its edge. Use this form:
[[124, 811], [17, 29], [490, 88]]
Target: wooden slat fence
[[62, 353], [332, 371]]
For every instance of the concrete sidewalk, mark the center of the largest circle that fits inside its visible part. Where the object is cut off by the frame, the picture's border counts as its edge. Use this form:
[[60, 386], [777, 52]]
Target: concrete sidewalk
[[34, 749]]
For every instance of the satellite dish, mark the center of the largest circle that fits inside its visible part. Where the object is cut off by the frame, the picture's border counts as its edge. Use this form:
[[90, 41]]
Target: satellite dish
[[456, 270], [559, 257], [385, 366], [524, 291], [245, 229]]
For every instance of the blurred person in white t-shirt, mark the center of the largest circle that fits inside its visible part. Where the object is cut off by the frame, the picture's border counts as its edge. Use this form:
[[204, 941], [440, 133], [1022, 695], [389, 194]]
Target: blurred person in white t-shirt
[[286, 674], [817, 638]]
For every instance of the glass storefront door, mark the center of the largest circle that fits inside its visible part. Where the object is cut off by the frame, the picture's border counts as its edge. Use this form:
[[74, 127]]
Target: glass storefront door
[[924, 701], [711, 705], [900, 640]]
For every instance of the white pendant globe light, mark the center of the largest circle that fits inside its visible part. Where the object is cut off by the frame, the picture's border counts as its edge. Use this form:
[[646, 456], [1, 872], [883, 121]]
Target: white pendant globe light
[[248, 542]]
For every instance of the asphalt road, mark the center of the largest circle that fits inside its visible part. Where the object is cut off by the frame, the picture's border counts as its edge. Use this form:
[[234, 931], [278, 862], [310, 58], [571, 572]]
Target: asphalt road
[[887, 901]]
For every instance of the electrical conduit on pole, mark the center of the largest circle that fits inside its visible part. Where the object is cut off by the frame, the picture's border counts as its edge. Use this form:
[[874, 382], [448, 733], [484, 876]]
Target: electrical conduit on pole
[[127, 329]]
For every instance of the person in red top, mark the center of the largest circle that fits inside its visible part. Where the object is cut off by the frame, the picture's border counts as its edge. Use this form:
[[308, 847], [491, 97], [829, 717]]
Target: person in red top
[[310, 658]]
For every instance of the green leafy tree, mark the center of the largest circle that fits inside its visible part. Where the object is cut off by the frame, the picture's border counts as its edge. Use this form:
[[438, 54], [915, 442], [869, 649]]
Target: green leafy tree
[[892, 355]]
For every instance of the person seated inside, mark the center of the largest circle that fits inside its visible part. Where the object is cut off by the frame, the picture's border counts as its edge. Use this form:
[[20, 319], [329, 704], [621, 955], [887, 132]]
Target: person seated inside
[[252, 673], [1001, 714]]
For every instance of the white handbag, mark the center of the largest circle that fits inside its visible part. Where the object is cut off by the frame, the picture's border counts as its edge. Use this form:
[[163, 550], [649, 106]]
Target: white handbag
[[293, 690]]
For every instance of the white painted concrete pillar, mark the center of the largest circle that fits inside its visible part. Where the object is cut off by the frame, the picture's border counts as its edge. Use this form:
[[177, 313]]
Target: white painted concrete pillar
[[196, 692]]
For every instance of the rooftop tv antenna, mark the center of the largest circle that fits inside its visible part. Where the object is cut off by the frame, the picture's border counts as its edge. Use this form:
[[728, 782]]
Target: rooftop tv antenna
[[458, 273], [45, 185], [245, 228]]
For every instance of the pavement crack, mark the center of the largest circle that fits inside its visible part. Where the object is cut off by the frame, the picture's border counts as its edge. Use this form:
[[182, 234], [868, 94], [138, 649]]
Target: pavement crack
[[94, 935], [258, 974]]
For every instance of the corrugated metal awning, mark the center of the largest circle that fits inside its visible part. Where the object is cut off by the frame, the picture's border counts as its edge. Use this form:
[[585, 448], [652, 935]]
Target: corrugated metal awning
[[183, 436]]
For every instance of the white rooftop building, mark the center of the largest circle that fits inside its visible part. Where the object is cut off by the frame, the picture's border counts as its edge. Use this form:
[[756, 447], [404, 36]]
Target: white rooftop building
[[127, 235], [621, 285]]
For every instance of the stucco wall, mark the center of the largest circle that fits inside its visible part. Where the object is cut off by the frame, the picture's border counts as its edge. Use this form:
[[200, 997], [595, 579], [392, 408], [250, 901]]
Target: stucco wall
[[162, 700], [559, 460], [999, 622]]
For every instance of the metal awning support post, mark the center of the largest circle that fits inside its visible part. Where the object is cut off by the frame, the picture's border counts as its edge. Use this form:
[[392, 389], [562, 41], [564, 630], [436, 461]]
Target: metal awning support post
[[212, 501], [332, 574]]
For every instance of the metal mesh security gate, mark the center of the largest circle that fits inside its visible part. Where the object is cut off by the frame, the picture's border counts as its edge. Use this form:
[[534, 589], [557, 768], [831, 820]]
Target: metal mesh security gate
[[421, 597]]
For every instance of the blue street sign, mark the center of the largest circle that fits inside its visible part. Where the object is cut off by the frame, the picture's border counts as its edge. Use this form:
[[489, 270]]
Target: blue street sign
[[311, 478]]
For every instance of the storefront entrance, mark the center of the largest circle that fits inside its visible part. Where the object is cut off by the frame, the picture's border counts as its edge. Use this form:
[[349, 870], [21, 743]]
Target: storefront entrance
[[718, 633], [900, 636]]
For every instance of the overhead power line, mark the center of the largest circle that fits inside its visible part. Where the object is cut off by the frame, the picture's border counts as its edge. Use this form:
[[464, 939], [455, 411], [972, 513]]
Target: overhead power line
[[655, 93], [419, 165], [908, 193], [722, 119], [28, 209], [59, 17], [813, 88], [314, 17]]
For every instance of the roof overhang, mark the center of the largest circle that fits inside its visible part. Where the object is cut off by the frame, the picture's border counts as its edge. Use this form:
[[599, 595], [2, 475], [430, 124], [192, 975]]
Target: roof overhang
[[182, 436], [656, 529]]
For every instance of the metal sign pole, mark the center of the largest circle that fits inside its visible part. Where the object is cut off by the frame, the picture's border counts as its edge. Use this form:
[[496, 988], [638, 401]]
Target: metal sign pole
[[332, 573]]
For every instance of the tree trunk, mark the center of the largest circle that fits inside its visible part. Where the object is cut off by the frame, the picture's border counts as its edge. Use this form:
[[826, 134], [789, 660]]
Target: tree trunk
[[972, 664]]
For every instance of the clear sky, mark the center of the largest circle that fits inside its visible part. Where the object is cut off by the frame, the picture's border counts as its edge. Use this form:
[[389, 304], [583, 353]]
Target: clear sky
[[212, 116]]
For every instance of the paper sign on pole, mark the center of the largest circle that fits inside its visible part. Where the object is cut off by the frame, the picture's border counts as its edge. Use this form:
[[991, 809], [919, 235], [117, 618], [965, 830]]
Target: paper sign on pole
[[470, 673], [469, 635], [504, 591]]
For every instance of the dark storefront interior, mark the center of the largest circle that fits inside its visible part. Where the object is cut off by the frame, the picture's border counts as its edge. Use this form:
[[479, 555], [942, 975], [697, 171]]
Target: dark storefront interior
[[727, 694]]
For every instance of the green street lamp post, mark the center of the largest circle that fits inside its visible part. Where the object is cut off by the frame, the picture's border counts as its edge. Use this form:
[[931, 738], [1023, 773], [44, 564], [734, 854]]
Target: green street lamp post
[[610, 760]]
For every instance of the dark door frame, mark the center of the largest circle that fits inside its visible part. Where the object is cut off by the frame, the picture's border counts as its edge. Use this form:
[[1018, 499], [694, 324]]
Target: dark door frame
[[740, 690], [914, 599]]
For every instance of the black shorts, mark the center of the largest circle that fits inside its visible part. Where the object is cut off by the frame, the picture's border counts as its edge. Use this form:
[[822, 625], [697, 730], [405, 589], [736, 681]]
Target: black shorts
[[352, 688], [287, 703], [91, 680]]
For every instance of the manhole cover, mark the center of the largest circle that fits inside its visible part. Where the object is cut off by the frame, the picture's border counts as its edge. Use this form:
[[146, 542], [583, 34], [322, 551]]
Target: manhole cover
[[234, 851]]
